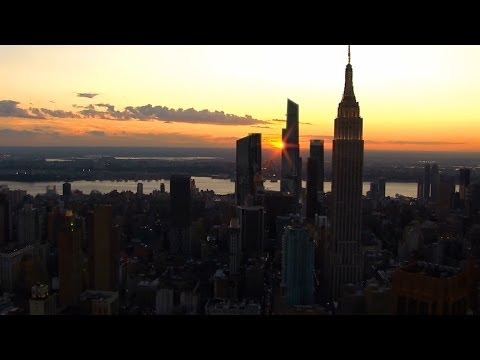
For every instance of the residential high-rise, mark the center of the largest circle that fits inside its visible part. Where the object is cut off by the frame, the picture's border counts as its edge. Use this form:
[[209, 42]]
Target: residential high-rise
[[234, 246], [434, 182], [420, 189], [28, 230], [275, 203], [10, 266], [70, 261], [426, 181], [180, 210], [249, 166], [297, 265], [67, 189], [106, 255], [464, 182], [291, 179], [251, 228], [345, 258], [317, 152], [381, 187], [374, 190], [446, 195], [5, 220], [139, 188], [312, 189]]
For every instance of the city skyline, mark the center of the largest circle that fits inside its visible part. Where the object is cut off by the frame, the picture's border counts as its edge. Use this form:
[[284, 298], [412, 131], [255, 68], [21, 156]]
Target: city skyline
[[415, 97]]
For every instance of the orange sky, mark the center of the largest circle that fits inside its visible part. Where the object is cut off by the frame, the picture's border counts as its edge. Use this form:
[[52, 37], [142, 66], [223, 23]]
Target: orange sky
[[411, 97]]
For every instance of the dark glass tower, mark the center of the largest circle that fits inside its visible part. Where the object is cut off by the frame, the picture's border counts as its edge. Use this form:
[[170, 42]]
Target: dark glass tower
[[312, 189], [251, 228], [291, 181], [298, 265], [345, 260], [5, 220], [434, 182], [464, 182], [317, 153], [180, 211], [426, 182], [249, 166], [381, 187]]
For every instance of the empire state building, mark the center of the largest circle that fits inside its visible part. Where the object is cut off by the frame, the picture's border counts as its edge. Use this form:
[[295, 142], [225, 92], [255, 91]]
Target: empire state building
[[345, 263]]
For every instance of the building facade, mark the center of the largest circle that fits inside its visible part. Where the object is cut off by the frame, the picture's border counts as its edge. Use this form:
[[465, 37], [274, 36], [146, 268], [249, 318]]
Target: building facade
[[298, 265], [248, 167], [291, 172], [317, 153], [180, 212], [347, 169]]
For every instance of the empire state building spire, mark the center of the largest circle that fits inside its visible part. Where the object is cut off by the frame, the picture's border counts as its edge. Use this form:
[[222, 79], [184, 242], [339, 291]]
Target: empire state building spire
[[348, 94], [348, 107]]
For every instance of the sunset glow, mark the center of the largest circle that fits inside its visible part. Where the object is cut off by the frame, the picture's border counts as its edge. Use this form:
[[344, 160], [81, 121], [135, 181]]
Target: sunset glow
[[411, 97]]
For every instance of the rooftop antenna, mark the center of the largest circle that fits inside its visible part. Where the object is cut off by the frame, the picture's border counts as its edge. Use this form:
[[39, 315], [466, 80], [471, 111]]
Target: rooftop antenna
[[349, 54]]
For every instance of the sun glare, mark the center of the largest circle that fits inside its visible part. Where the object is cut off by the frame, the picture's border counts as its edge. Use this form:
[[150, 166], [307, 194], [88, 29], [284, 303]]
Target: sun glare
[[277, 144]]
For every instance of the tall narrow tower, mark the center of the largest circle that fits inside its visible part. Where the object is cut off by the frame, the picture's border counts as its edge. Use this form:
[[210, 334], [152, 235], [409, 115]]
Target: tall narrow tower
[[249, 166], [291, 181], [345, 260]]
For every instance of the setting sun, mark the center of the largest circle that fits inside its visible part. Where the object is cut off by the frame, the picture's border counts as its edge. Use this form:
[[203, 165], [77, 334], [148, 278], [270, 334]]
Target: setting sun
[[277, 144]]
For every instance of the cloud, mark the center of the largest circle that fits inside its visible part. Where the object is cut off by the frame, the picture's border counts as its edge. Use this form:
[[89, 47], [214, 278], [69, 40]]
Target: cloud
[[167, 122], [163, 113], [141, 113], [8, 108], [278, 120], [96, 133], [261, 127], [305, 123], [41, 113], [110, 108], [87, 95], [19, 133]]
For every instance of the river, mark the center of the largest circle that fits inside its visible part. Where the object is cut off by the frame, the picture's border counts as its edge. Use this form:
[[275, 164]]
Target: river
[[220, 186]]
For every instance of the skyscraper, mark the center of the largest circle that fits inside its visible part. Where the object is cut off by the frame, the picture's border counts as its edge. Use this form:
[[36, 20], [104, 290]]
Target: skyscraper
[[464, 182], [426, 181], [312, 189], [420, 189], [297, 265], [251, 228], [234, 246], [5, 220], [139, 188], [180, 210], [70, 261], [317, 152], [381, 187], [347, 167], [291, 179], [67, 189], [446, 193], [434, 182], [249, 166], [105, 249], [28, 230]]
